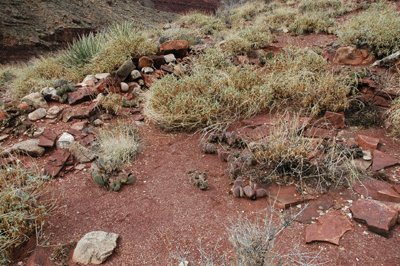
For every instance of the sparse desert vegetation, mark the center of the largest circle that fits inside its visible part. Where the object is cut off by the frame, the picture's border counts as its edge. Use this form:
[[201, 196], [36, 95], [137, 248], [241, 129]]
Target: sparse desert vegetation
[[283, 92]]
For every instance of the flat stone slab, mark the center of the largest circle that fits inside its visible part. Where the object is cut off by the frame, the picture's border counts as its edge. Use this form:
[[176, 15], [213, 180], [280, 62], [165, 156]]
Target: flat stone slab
[[56, 162], [312, 212], [30, 147], [382, 160], [389, 195], [367, 142], [379, 216], [285, 197], [315, 132], [329, 228], [80, 95], [48, 138], [95, 247], [370, 188]]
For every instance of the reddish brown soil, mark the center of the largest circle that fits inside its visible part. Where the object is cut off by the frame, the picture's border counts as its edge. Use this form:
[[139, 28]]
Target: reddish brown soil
[[162, 214]]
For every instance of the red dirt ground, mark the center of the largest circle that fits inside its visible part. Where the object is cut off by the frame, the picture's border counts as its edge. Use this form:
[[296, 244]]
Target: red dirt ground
[[163, 214]]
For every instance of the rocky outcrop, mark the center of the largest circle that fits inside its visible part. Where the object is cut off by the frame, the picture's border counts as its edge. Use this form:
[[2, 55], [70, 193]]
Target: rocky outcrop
[[28, 28]]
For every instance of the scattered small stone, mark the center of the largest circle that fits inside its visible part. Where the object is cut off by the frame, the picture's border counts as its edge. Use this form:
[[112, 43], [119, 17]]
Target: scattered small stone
[[37, 114], [367, 156], [38, 132], [30, 147], [50, 94], [81, 153], [126, 69], [36, 100], [170, 58], [53, 112], [101, 76], [124, 87], [98, 122], [65, 141], [79, 126], [148, 70], [95, 247], [136, 74]]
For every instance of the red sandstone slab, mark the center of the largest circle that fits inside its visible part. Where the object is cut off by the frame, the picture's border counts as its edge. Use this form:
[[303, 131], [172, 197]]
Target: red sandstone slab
[[329, 228], [382, 160], [389, 195], [284, 196], [367, 142], [380, 217], [370, 188], [56, 162], [310, 213], [80, 95]]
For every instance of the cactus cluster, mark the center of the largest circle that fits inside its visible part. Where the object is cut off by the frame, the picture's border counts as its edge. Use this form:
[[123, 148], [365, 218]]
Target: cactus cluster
[[199, 179], [63, 90], [111, 176]]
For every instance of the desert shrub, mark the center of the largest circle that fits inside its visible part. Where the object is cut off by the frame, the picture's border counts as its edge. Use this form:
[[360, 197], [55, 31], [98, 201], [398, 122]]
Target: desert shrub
[[311, 22], [377, 30], [121, 42], [112, 102], [215, 58], [208, 24], [6, 75], [38, 73], [247, 39], [301, 75], [245, 12], [82, 50], [394, 117], [119, 144], [281, 17], [206, 98], [292, 157], [20, 212]]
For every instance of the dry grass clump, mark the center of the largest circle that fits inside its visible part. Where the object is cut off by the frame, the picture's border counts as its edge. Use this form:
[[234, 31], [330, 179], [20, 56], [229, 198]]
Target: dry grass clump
[[245, 12], [121, 42], [247, 39], [394, 117], [206, 98], [119, 144], [377, 30], [112, 102], [311, 22], [38, 73], [215, 58], [208, 24], [281, 17], [20, 213], [293, 158], [301, 75]]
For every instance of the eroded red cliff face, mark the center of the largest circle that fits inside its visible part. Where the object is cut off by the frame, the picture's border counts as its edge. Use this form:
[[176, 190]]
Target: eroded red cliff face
[[28, 27], [182, 6]]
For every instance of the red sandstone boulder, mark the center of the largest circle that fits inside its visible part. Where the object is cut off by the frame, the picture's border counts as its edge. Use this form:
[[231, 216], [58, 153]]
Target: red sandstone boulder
[[178, 47]]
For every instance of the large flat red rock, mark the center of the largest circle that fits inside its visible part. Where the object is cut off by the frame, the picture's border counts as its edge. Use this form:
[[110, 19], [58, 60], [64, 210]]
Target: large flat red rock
[[367, 142], [329, 228], [311, 212], [285, 197], [370, 188], [80, 95], [382, 160], [379, 216], [56, 162]]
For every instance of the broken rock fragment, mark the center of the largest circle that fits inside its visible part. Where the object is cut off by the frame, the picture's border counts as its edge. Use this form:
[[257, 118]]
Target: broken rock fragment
[[329, 228], [380, 217], [383, 160], [30, 147], [95, 247]]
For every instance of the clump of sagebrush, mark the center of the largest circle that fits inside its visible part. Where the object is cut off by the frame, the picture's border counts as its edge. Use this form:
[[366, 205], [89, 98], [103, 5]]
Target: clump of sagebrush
[[20, 212], [119, 144], [302, 75], [377, 30], [293, 158], [208, 98], [256, 242], [121, 41], [208, 24]]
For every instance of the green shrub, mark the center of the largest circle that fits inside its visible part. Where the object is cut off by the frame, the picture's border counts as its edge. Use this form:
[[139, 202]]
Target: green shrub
[[302, 75], [20, 212], [206, 98], [81, 51], [282, 17], [377, 30], [245, 40]]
